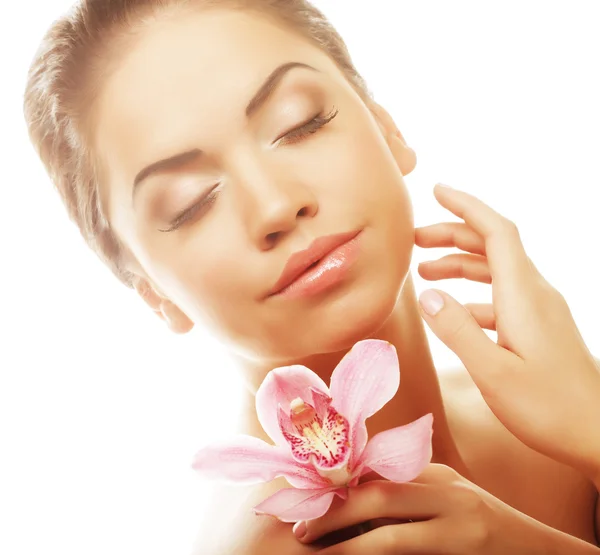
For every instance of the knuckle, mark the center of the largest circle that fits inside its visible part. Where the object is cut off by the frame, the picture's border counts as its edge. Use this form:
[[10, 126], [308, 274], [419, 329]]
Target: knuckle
[[556, 295], [478, 534], [468, 537], [480, 537], [453, 534], [375, 493], [505, 227], [467, 497], [458, 233], [389, 540], [475, 533], [549, 294], [509, 227], [446, 472], [461, 327]]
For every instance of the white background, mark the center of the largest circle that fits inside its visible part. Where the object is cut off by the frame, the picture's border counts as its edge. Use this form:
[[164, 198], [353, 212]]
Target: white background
[[102, 409]]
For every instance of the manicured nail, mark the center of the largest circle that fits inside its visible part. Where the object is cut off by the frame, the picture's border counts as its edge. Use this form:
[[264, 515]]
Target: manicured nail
[[299, 529], [431, 301]]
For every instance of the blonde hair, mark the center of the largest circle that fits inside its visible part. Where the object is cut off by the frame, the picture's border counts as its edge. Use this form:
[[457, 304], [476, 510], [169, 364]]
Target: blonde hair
[[67, 72]]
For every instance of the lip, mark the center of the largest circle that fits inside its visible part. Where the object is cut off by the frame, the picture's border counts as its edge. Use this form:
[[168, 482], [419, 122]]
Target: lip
[[300, 261]]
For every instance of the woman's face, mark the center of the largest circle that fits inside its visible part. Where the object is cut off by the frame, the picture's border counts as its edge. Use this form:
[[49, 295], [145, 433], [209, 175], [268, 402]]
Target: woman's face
[[184, 88]]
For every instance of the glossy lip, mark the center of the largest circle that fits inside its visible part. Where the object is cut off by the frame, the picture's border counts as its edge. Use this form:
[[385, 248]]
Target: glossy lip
[[299, 262]]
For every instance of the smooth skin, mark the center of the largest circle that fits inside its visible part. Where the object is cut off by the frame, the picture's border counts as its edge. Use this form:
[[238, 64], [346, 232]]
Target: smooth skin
[[539, 363], [440, 512], [276, 195]]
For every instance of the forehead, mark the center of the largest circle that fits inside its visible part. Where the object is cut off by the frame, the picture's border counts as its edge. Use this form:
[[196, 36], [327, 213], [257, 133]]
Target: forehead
[[191, 70]]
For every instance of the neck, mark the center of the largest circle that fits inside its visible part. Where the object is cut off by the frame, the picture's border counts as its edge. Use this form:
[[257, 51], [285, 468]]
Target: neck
[[419, 392]]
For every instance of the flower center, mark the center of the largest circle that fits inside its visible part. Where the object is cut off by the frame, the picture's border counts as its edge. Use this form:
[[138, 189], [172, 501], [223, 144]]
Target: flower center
[[322, 439]]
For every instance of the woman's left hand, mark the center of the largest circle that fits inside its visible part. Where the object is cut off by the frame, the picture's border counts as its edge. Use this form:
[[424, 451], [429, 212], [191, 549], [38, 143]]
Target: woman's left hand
[[539, 379], [440, 512]]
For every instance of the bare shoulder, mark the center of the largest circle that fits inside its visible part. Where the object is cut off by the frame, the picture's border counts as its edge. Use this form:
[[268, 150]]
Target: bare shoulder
[[536, 485], [470, 418], [230, 526]]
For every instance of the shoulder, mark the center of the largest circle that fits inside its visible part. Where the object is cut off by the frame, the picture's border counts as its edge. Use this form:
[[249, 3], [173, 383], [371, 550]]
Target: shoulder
[[484, 441], [230, 526], [466, 411]]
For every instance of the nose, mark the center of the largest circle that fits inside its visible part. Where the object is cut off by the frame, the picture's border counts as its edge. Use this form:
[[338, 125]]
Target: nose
[[274, 201]]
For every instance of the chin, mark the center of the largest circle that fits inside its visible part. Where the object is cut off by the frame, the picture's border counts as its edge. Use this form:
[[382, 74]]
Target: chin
[[357, 315]]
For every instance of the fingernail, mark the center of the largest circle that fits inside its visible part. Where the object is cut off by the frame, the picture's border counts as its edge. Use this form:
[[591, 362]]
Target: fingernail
[[431, 301], [299, 529], [444, 186]]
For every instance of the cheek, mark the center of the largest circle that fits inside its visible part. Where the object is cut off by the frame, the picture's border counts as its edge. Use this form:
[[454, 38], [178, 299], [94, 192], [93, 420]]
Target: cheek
[[364, 167], [379, 192], [209, 286], [223, 297], [396, 221], [220, 283]]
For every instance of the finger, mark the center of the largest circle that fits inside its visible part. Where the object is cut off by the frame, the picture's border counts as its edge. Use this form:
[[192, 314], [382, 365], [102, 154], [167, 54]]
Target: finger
[[374, 500], [450, 234], [453, 324], [412, 538], [436, 473], [483, 314], [505, 252], [468, 266]]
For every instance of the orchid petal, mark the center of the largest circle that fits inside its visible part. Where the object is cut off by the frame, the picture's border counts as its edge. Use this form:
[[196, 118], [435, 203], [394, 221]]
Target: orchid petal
[[399, 454], [292, 505], [249, 460], [321, 402], [280, 387], [362, 383], [285, 423]]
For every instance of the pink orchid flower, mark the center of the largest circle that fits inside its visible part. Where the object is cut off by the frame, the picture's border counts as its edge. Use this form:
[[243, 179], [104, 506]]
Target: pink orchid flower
[[321, 444]]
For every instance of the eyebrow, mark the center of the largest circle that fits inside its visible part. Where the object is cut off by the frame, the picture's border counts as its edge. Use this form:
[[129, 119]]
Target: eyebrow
[[264, 92]]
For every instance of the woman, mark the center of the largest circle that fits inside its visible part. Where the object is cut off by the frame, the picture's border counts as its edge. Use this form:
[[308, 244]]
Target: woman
[[198, 145]]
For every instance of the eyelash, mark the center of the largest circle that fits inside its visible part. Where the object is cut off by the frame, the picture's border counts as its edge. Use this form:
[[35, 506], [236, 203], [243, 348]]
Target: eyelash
[[310, 127], [296, 135]]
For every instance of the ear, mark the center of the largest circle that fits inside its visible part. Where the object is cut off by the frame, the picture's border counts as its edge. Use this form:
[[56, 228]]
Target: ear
[[404, 155], [176, 320]]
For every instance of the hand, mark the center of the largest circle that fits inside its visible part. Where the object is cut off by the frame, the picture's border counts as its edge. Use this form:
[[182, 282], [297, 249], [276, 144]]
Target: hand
[[540, 379], [451, 516]]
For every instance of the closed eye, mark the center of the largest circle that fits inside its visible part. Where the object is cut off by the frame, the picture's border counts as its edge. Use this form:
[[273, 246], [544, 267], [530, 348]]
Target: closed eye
[[310, 127]]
